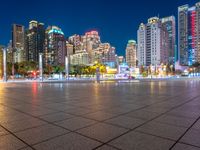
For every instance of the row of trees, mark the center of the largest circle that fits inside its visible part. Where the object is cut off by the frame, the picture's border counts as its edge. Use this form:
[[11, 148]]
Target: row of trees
[[166, 70], [87, 70], [24, 69]]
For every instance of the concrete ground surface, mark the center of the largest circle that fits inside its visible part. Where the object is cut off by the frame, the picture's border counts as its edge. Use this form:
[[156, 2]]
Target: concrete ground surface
[[157, 115]]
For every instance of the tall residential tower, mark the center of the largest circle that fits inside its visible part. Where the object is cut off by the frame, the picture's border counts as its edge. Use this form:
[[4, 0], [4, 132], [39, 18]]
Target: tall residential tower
[[18, 43], [35, 37], [55, 46], [189, 34], [156, 42], [131, 53]]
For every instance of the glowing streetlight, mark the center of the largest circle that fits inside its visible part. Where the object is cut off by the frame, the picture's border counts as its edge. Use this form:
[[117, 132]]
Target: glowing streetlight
[[67, 67], [4, 65], [41, 66]]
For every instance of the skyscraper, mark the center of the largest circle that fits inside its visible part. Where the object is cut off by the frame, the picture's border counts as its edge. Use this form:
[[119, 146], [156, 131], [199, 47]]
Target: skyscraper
[[76, 41], [189, 34], [69, 49], [55, 46], [18, 41], [131, 53], [169, 24], [153, 43], [91, 41], [141, 39], [89, 47], [9, 52], [35, 38]]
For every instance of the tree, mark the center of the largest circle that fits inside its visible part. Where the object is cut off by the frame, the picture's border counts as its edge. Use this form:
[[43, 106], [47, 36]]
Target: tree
[[58, 69], [9, 68], [48, 69], [142, 69]]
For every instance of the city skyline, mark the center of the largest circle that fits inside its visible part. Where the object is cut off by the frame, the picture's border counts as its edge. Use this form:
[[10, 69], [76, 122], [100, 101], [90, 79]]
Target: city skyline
[[105, 22]]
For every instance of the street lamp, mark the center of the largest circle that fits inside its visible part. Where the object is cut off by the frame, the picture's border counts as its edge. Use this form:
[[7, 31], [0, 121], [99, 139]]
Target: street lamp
[[4, 65], [41, 66], [67, 67]]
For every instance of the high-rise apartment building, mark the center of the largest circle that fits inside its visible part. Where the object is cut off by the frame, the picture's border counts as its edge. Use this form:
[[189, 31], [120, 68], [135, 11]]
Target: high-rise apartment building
[[80, 58], [76, 41], [9, 52], [141, 51], [89, 47], [55, 46], [35, 38], [153, 43], [69, 49], [169, 24], [131, 53], [105, 54], [189, 34], [91, 41], [18, 43]]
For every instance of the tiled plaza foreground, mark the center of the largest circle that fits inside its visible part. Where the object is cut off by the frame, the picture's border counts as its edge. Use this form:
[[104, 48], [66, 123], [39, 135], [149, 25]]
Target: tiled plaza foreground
[[158, 115]]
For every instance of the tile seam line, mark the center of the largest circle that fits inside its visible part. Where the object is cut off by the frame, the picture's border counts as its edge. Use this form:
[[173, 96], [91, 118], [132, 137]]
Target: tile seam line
[[71, 131], [17, 137], [148, 121], [177, 141]]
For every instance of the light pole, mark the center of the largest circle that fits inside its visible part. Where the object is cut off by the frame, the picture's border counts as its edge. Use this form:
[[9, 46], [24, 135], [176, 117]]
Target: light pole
[[41, 66], [67, 67], [4, 65], [13, 62]]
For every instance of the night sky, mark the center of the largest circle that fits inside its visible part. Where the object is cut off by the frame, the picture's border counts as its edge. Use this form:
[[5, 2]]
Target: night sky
[[116, 20]]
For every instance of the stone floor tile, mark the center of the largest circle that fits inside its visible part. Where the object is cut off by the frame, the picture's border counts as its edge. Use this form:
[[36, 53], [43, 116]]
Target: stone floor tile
[[126, 122], [192, 137], [162, 130], [140, 141], [102, 132], [180, 146], [9, 142], [75, 123], [71, 141], [56, 117], [39, 134]]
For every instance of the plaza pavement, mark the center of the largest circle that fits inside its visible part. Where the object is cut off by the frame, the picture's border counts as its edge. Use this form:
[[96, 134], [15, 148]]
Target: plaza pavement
[[157, 115]]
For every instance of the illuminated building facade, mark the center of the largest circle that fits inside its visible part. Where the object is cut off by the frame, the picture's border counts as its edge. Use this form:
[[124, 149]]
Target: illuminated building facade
[[69, 49], [105, 54], [9, 52], [76, 41], [141, 39], [131, 53], [35, 38], [80, 58], [90, 49], [153, 43], [18, 43], [189, 34], [121, 59], [55, 46], [169, 24], [91, 41]]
